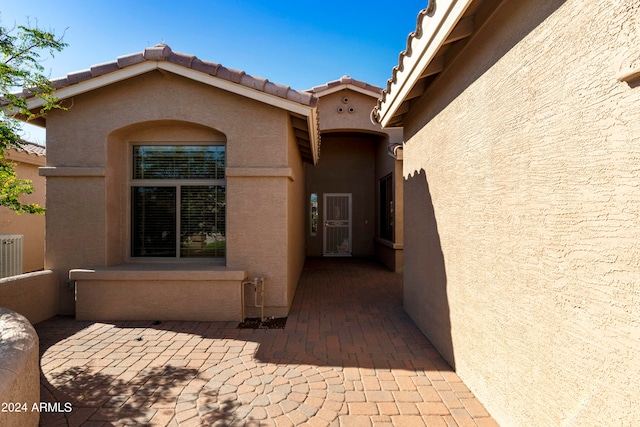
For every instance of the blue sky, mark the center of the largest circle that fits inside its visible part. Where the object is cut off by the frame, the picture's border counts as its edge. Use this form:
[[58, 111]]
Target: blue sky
[[297, 43]]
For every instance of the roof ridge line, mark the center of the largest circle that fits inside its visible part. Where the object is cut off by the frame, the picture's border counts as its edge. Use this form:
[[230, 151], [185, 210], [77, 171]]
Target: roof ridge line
[[163, 52]]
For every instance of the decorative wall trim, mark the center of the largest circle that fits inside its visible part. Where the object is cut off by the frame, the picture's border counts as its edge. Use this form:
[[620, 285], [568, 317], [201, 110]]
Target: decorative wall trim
[[260, 172], [70, 171]]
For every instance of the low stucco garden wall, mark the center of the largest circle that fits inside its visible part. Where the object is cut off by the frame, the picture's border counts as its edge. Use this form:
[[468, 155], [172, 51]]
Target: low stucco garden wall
[[34, 295], [19, 371], [159, 292]]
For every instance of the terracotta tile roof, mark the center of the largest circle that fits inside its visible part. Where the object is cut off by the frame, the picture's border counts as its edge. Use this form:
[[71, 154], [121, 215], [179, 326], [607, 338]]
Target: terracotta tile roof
[[345, 80], [405, 53], [441, 35], [162, 52], [31, 148]]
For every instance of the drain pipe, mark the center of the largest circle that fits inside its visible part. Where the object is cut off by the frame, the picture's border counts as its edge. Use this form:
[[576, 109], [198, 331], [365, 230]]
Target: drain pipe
[[255, 297], [255, 282]]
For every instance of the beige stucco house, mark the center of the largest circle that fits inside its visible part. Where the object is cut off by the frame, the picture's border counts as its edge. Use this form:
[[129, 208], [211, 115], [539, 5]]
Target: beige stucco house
[[522, 202], [178, 188], [27, 160]]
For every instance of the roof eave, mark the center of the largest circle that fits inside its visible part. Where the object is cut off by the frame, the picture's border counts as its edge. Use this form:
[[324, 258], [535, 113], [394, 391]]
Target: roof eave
[[314, 135], [432, 32], [150, 65], [338, 88]]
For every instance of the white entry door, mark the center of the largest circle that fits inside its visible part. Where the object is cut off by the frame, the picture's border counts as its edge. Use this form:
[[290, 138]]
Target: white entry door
[[337, 224]]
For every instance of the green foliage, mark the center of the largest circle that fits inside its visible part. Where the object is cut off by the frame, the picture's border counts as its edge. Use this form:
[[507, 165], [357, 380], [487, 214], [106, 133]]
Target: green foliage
[[21, 77], [13, 188]]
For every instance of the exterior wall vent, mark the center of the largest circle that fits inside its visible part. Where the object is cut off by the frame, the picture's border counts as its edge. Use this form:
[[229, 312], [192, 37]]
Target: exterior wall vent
[[10, 255]]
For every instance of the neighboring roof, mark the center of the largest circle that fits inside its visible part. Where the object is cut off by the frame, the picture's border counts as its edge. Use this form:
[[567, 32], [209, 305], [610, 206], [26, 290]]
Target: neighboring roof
[[300, 104], [29, 153], [346, 82], [31, 148], [442, 32]]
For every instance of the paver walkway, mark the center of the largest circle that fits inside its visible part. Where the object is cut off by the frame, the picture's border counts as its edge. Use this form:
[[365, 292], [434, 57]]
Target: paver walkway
[[348, 356]]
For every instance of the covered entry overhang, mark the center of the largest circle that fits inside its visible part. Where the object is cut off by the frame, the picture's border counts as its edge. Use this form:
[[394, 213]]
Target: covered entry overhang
[[353, 196]]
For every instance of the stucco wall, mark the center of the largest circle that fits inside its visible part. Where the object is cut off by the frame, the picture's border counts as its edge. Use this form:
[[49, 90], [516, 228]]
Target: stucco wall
[[348, 110], [33, 295], [30, 226], [296, 216], [522, 211], [151, 291], [88, 173]]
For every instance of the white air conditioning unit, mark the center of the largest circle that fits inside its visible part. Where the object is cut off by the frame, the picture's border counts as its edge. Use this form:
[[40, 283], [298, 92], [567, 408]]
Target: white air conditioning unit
[[10, 255]]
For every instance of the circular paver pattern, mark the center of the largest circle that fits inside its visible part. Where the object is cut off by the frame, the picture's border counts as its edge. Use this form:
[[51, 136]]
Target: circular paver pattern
[[253, 392]]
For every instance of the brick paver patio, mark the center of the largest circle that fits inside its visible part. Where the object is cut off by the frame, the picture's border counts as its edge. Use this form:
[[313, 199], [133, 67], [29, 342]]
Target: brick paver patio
[[348, 356]]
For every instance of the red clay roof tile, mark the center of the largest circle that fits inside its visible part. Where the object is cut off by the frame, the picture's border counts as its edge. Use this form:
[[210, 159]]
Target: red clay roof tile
[[345, 80], [129, 60], [162, 52], [105, 68], [276, 89], [31, 148]]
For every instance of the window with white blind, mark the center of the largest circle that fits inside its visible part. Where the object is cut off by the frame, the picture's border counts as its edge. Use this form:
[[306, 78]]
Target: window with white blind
[[178, 201]]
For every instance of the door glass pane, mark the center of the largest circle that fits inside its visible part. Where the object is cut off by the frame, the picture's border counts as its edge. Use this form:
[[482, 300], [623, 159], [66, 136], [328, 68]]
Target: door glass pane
[[153, 227], [202, 221]]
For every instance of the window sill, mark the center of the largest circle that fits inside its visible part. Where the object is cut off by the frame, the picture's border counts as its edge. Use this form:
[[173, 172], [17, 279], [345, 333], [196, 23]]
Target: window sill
[[160, 271], [388, 243]]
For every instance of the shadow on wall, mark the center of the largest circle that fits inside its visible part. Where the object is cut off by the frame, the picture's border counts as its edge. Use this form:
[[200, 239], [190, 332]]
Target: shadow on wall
[[425, 277]]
